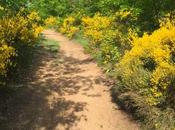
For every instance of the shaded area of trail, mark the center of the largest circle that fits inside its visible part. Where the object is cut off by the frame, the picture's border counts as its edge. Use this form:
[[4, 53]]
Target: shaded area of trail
[[65, 91]]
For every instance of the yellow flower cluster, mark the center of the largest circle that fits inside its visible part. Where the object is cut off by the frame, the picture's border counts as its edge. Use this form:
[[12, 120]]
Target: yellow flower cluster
[[160, 48], [5, 53], [69, 27], [20, 28], [50, 21], [97, 27], [16, 31], [32, 16]]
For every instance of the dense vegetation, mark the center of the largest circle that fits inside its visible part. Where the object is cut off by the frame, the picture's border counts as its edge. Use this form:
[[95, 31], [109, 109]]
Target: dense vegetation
[[20, 30], [134, 41]]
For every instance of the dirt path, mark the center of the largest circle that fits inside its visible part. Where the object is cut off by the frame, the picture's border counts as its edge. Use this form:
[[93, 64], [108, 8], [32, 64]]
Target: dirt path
[[66, 92], [98, 113]]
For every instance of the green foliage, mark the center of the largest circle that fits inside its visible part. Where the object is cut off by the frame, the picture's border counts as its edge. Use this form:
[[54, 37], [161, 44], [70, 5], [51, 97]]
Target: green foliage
[[82, 40], [107, 54], [150, 11], [52, 7], [13, 7]]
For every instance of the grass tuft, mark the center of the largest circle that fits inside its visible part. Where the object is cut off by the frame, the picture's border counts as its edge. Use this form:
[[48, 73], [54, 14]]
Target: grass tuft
[[50, 45]]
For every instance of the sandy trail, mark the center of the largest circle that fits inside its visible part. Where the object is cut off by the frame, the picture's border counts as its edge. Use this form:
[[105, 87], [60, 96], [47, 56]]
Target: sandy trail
[[66, 92], [99, 113]]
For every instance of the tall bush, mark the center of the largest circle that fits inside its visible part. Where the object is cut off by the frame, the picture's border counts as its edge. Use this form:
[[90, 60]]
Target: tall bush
[[16, 33]]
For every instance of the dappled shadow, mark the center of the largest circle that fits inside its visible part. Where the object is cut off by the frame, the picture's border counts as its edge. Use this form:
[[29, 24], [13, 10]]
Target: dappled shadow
[[39, 103], [30, 110]]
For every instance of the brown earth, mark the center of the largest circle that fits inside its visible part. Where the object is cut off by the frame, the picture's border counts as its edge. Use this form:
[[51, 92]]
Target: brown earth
[[67, 91]]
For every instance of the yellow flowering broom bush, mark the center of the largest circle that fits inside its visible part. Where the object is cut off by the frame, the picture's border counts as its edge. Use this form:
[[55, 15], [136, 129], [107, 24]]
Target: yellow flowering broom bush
[[5, 53], [101, 31], [97, 27], [50, 22], [69, 27], [149, 66], [17, 32], [105, 38]]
